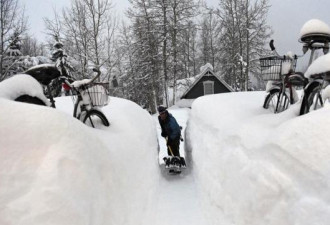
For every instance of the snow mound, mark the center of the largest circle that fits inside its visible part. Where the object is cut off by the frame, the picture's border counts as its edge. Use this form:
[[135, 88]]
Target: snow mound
[[56, 170], [256, 167], [320, 65], [185, 103], [21, 84]]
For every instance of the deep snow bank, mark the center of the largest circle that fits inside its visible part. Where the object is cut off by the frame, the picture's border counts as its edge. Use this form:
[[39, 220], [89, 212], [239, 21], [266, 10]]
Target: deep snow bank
[[56, 170], [22, 84], [256, 167]]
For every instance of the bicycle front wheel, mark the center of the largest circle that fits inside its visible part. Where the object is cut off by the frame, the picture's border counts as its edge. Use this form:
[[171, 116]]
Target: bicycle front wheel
[[276, 101], [95, 118], [312, 99]]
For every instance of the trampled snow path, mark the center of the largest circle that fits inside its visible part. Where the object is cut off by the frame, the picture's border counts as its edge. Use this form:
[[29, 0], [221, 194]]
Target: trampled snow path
[[178, 201]]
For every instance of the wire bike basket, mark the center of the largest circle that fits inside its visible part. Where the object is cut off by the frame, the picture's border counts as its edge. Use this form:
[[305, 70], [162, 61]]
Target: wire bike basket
[[273, 67], [98, 94]]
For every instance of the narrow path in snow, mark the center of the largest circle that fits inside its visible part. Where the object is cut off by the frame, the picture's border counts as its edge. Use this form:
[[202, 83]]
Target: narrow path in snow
[[178, 202]]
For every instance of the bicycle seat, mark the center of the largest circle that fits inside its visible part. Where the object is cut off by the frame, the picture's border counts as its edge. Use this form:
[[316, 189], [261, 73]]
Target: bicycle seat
[[297, 79], [317, 76], [44, 73], [325, 76]]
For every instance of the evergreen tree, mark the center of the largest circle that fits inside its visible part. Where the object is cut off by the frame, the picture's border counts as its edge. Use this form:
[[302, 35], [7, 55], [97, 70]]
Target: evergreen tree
[[146, 47], [12, 23], [12, 60]]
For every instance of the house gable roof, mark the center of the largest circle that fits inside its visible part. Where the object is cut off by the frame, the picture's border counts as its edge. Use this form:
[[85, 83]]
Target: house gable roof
[[207, 72]]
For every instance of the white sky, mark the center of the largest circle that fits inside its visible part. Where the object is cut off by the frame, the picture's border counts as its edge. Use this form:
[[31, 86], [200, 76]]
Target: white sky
[[285, 16]]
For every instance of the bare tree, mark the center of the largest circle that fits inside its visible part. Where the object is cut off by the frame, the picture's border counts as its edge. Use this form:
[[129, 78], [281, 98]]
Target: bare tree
[[244, 33], [54, 25], [113, 56], [161, 16], [189, 49], [257, 33], [97, 11], [77, 37], [160, 29], [147, 47], [210, 37], [31, 46], [88, 33], [181, 11]]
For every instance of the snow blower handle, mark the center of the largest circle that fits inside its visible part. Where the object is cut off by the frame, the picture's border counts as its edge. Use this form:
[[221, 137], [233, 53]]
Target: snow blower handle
[[168, 146]]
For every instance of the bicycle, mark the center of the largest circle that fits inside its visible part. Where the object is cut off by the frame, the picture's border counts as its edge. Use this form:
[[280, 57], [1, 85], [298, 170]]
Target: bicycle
[[312, 99], [89, 96], [279, 72]]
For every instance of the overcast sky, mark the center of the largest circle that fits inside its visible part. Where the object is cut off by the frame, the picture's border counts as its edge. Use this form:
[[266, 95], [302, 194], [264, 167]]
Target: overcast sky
[[285, 16]]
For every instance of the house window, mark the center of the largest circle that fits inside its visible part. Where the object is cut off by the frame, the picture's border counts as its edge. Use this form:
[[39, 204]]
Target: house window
[[208, 87]]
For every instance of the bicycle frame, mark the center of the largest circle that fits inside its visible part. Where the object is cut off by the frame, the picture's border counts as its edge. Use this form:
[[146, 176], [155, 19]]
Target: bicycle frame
[[282, 91], [285, 88], [278, 69], [47, 73]]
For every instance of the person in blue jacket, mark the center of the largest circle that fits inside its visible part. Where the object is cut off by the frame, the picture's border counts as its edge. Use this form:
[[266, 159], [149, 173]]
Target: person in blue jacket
[[170, 130]]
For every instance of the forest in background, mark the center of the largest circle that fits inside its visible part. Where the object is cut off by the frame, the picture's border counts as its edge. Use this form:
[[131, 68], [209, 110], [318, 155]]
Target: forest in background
[[143, 56]]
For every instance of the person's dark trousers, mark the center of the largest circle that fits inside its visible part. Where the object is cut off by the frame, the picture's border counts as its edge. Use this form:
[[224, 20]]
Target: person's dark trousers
[[175, 146]]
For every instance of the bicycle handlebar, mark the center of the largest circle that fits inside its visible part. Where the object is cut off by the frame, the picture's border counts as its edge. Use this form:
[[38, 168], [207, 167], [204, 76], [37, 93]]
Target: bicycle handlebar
[[272, 47], [67, 81], [97, 76], [271, 44]]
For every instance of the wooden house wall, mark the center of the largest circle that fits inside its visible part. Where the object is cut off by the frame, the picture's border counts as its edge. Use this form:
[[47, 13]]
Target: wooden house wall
[[198, 89]]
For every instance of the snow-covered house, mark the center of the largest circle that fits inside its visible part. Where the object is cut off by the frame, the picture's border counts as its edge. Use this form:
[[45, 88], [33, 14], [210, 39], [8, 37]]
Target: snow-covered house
[[205, 83]]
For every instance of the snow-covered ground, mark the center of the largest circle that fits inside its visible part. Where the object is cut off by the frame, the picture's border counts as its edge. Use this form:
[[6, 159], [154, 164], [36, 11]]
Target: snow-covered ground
[[255, 167], [248, 166], [56, 170], [178, 198]]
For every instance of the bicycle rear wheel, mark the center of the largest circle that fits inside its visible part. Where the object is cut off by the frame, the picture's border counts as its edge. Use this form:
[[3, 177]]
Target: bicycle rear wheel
[[312, 99], [95, 118], [276, 101]]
